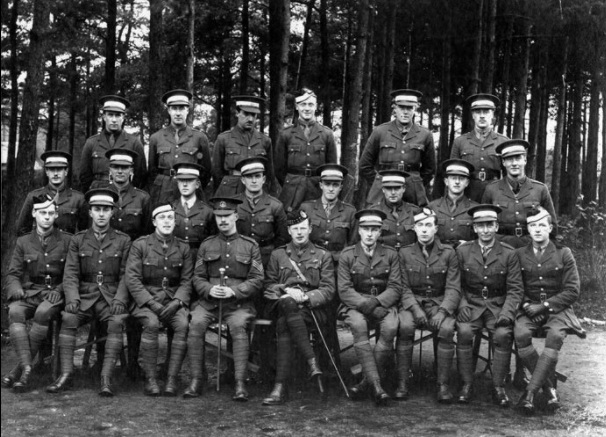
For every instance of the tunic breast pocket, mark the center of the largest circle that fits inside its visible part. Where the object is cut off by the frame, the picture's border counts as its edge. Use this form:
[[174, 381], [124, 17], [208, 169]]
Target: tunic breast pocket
[[312, 273], [188, 153], [387, 153], [242, 266], [263, 226], [341, 230], [415, 276], [151, 268], [87, 264], [232, 156], [112, 262], [30, 263]]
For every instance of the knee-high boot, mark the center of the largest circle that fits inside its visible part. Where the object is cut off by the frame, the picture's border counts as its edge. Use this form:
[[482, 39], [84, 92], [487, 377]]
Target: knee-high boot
[[149, 359], [67, 344], [195, 349], [113, 347], [177, 354], [404, 358]]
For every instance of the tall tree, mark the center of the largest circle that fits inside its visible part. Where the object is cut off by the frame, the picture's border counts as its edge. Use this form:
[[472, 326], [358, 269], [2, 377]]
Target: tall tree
[[156, 84], [523, 67], [561, 124], [110, 47], [602, 193], [300, 75], [279, 37], [492, 46], [590, 164], [14, 73], [245, 49], [191, 29], [325, 95]]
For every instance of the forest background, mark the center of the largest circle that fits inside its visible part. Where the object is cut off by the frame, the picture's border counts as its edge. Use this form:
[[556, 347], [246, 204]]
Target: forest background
[[545, 59]]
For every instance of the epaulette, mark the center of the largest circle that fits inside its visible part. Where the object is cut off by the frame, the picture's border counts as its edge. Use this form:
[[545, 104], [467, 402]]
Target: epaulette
[[82, 232], [210, 238], [534, 181], [388, 248], [144, 237], [274, 198], [119, 232], [76, 191], [348, 204], [409, 244], [181, 240], [467, 243], [252, 240], [507, 245], [496, 181]]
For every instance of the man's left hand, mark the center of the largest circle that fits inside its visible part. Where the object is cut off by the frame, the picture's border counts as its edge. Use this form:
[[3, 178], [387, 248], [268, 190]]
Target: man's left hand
[[53, 296], [169, 310], [436, 321], [117, 308], [534, 309]]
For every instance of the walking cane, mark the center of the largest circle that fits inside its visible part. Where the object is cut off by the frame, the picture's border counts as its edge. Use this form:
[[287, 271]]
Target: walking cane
[[219, 329]]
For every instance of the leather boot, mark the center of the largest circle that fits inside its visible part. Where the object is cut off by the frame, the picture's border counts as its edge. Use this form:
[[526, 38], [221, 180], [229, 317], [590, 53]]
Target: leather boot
[[314, 368], [277, 395], [464, 396], [526, 403], [60, 384], [151, 387], [22, 384], [404, 355], [195, 388], [444, 395], [195, 348], [106, 387], [172, 386], [445, 355], [241, 394], [358, 391], [149, 356], [177, 355], [465, 365], [553, 400], [11, 377], [499, 395], [381, 398]]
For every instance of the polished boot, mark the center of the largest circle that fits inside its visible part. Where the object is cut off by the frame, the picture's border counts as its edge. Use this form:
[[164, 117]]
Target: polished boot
[[445, 355], [277, 395], [106, 387], [527, 358], [195, 348], [526, 403], [404, 356], [177, 355], [241, 394], [316, 373], [22, 384], [151, 387], [172, 386], [381, 398], [464, 396], [553, 400], [60, 384], [149, 356], [499, 396], [358, 391], [444, 395], [194, 389], [465, 365], [11, 377], [113, 347]]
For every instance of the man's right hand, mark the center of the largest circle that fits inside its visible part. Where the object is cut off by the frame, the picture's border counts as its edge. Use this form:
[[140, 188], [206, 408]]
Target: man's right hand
[[368, 306], [72, 307], [156, 307], [419, 316], [17, 294], [464, 315]]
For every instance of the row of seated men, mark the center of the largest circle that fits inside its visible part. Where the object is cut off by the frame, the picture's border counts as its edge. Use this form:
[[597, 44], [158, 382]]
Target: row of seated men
[[161, 279]]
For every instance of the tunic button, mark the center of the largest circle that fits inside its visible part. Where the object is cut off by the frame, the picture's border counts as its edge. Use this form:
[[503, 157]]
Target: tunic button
[[119, 219], [451, 218], [541, 278], [517, 212], [481, 159], [101, 251], [253, 225], [228, 244], [485, 277], [538, 265], [398, 234], [46, 254], [165, 268], [186, 228], [327, 221], [451, 229], [227, 255], [100, 261], [517, 201], [176, 156], [328, 232], [307, 154], [47, 266]]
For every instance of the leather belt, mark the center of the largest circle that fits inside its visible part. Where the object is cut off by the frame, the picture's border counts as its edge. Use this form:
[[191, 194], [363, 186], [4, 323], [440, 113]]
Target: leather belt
[[485, 293], [518, 231], [333, 247], [100, 279], [428, 293], [161, 282], [167, 172], [307, 172], [194, 245], [48, 280], [400, 167], [486, 175]]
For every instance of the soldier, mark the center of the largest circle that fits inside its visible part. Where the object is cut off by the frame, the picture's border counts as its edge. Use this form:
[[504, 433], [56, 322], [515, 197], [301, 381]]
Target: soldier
[[478, 147], [94, 166], [241, 141], [454, 224], [231, 292], [194, 219], [158, 275], [492, 289], [133, 211], [333, 222], [260, 216], [398, 227], [300, 149], [403, 145], [551, 287], [300, 279], [94, 288], [431, 279], [176, 143], [34, 288], [369, 286], [517, 194], [71, 213]]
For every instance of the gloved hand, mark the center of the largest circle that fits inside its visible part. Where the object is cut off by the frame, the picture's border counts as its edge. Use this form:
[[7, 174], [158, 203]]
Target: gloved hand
[[503, 321], [169, 310], [15, 294], [156, 307], [534, 309], [53, 296], [436, 321], [368, 306], [72, 307], [464, 314], [419, 316], [379, 312], [117, 308], [539, 318]]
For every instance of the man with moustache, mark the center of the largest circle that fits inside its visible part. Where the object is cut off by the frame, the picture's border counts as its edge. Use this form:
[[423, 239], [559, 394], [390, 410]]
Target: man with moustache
[[177, 142], [402, 145], [94, 166], [300, 149]]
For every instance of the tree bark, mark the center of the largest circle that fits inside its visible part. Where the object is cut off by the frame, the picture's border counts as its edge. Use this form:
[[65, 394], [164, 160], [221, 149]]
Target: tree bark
[[110, 48], [73, 106], [156, 84], [492, 46], [279, 36], [191, 32], [53, 83], [366, 118], [590, 167], [561, 124], [603, 170], [522, 87], [574, 148], [325, 94], [244, 66], [14, 73], [505, 81], [300, 78]]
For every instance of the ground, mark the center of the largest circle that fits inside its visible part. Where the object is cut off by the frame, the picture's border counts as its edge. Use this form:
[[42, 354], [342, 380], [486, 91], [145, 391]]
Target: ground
[[81, 411]]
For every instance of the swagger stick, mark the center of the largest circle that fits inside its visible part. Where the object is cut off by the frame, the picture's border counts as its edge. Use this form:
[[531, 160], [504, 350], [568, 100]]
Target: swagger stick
[[219, 329]]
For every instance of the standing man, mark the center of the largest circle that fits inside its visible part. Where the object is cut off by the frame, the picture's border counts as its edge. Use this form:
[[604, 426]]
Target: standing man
[[71, 207], [94, 166], [158, 275], [228, 275], [517, 194], [454, 224], [402, 145], [398, 226], [241, 141], [300, 279], [133, 211], [492, 290], [260, 216], [301, 148], [94, 288], [478, 147], [34, 288], [370, 287], [194, 220], [333, 222], [431, 279], [177, 142], [551, 287]]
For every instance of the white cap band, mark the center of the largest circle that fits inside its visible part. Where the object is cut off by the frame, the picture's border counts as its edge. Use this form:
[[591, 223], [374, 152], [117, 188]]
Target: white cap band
[[253, 167], [535, 218], [515, 149], [390, 179], [406, 99], [43, 205], [178, 99], [116, 157], [304, 97], [188, 171], [161, 209], [485, 215], [101, 199], [424, 214], [370, 220], [113, 105], [247, 103], [457, 170], [483, 104], [331, 174], [55, 160]]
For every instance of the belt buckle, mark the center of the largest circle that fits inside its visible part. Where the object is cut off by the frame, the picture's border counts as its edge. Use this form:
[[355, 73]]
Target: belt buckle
[[373, 291], [99, 279], [307, 172], [172, 172], [484, 293], [543, 297], [482, 175], [165, 283], [47, 281], [519, 232], [401, 167], [397, 246]]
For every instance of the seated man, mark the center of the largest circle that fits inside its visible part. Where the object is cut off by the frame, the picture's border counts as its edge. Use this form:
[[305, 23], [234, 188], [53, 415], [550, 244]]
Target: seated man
[[369, 285], [228, 275], [431, 271], [492, 289], [94, 288], [551, 287], [34, 288], [300, 279], [158, 276]]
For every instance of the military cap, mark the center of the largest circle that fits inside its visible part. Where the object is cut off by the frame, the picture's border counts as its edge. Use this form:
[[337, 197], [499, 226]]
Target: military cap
[[249, 103], [484, 213], [393, 178], [121, 157], [187, 170], [536, 214], [406, 97], [56, 158], [457, 167], [370, 217], [424, 214], [177, 98], [101, 197], [251, 165], [296, 217], [42, 201], [305, 94], [512, 148], [332, 172], [160, 208], [225, 205], [114, 103], [483, 101]]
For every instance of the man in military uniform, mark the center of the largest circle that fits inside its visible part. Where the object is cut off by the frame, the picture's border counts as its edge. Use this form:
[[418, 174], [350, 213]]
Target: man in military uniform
[[34, 289], [176, 143], [300, 149], [228, 275], [492, 290], [398, 226], [370, 287], [94, 288], [71, 211], [260, 216], [194, 219], [158, 275], [241, 141], [94, 166], [551, 287], [133, 211], [403, 145], [431, 295], [333, 222], [300, 279], [478, 147], [454, 224]]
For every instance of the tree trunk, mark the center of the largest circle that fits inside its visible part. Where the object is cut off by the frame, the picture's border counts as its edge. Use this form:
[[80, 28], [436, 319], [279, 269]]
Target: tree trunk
[[536, 102], [73, 106], [561, 124], [603, 169], [505, 82], [347, 77], [156, 83], [110, 48], [522, 88], [541, 148], [574, 147], [52, 89], [366, 118], [325, 94], [279, 36], [590, 167], [492, 45], [300, 79], [191, 32], [14, 73], [245, 49], [386, 32]]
